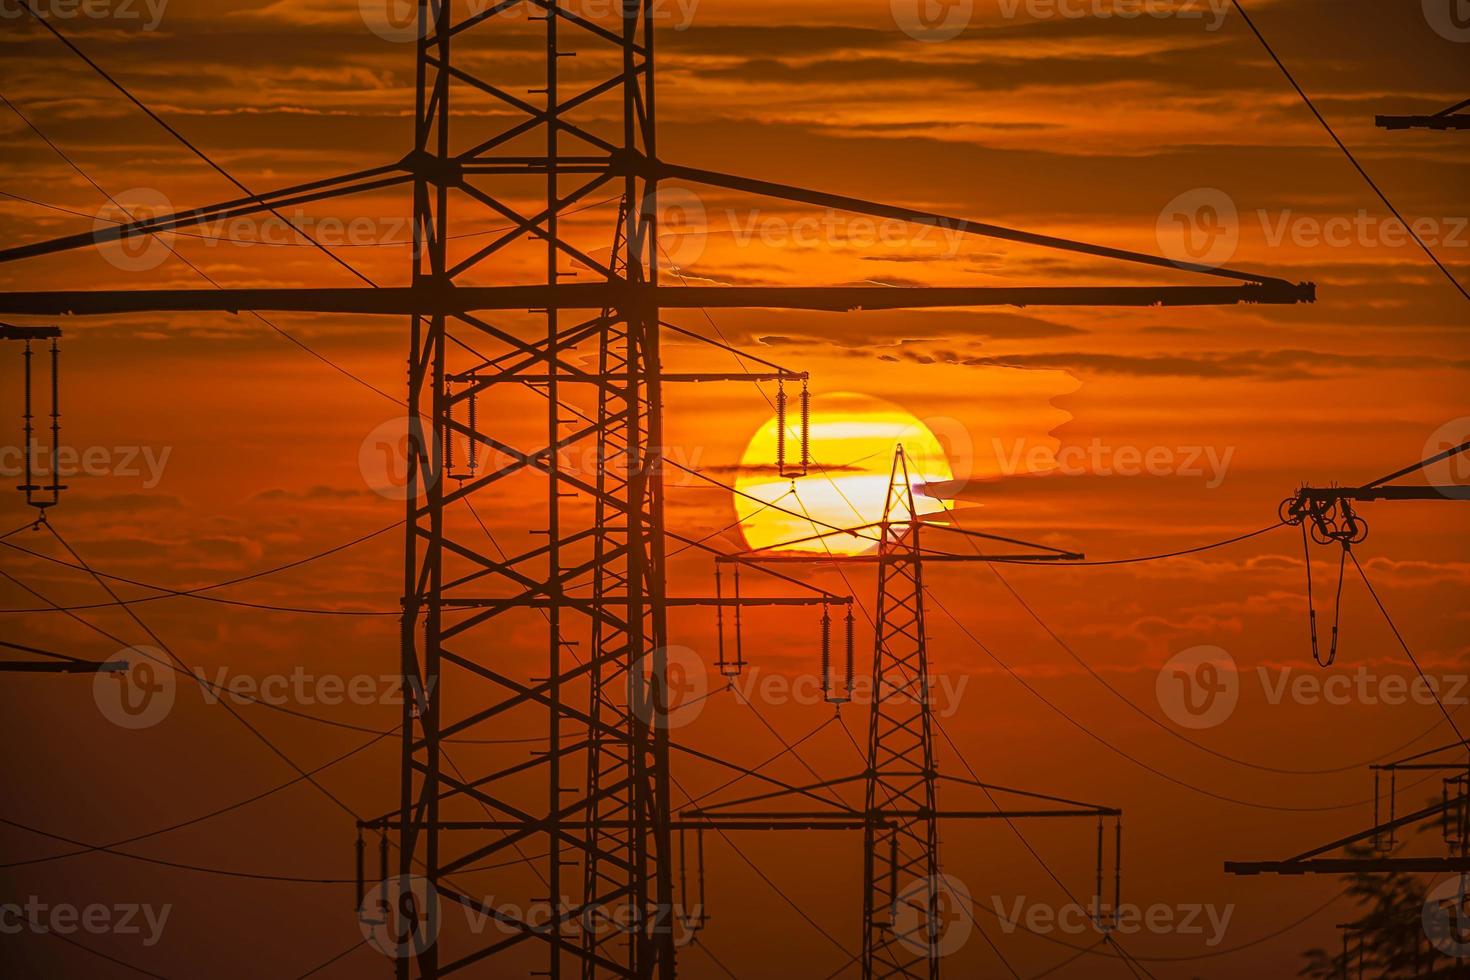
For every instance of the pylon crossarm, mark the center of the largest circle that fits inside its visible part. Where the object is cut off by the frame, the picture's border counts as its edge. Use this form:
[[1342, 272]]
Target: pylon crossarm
[[56, 663], [788, 192], [11, 332], [431, 300], [1310, 862], [1451, 117], [360, 182]]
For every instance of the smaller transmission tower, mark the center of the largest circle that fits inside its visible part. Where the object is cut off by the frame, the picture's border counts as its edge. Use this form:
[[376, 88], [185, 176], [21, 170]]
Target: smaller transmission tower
[[904, 888]]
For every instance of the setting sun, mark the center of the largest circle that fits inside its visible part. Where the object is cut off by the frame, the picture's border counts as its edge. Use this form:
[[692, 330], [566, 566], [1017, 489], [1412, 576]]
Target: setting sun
[[853, 438]]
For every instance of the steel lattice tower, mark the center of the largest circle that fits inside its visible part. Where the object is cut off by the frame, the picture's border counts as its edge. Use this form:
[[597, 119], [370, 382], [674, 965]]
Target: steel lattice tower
[[596, 803], [901, 864]]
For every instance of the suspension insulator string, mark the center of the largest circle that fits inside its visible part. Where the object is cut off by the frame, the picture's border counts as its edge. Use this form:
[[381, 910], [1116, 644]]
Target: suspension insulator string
[[781, 428], [1097, 908], [1117, 868], [27, 427], [449, 432], [739, 632], [361, 854], [474, 448], [847, 685], [720, 662], [827, 693], [806, 429]]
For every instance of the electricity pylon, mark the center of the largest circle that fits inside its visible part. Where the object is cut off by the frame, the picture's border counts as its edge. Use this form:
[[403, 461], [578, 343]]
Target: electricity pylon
[[593, 589], [904, 889]]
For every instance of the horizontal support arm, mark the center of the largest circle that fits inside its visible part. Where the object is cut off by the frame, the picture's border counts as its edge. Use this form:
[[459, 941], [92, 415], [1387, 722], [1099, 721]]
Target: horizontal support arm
[[8, 332], [1349, 866], [62, 667], [407, 300]]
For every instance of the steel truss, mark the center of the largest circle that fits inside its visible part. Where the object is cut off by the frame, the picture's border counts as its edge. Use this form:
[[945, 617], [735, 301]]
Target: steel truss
[[594, 806], [904, 889]]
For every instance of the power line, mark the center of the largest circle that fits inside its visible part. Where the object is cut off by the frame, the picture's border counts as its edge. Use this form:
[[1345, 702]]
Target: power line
[[1347, 152], [166, 592], [1433, 688], [185, 141], [200, 272]]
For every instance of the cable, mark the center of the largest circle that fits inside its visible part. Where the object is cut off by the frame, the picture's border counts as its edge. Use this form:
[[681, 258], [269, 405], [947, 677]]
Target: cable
[[1147, 716], [222, 872], [89, 849], [1346, 152], [195, 593], [200, 272], [101, 955], [223, 702], [340, 956], [268, 244], [184, 140], [1147, 558], [1433, 688]]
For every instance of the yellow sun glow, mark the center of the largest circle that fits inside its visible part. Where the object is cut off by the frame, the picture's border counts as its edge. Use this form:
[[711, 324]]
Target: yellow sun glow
[[853, 438]]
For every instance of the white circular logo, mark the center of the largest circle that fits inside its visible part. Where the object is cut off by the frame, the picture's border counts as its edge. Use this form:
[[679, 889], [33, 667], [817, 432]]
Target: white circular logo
[[1446, 916], [392, 20], [682, 227], [383, 457], [682, 698], [400, 917], [1199, 227], [1449, 18], [1454, 471], [140, 696], [932, 20], [1199, 687], [135, 253], [959, 446], [935, 916]]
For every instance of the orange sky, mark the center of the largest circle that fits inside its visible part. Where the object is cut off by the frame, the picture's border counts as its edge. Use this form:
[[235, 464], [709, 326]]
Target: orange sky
[[227, 449]]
